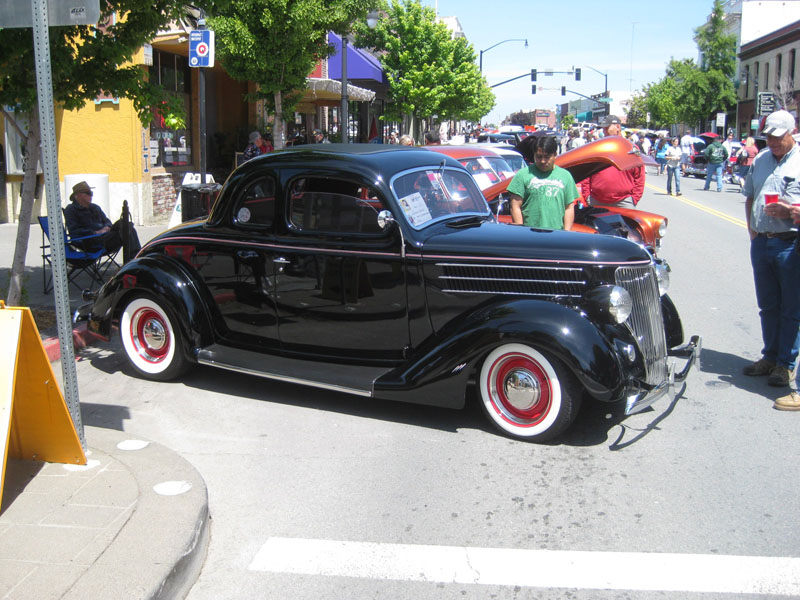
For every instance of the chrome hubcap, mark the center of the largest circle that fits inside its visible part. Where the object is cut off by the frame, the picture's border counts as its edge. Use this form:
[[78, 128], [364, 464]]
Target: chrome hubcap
[[154, 334], [522, 390]]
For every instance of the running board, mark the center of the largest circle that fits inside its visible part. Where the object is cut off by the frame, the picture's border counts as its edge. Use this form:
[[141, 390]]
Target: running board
[[350, 379]]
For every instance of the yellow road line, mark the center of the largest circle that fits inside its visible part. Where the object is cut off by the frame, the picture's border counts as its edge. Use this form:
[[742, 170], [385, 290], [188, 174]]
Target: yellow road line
[[740, 222]]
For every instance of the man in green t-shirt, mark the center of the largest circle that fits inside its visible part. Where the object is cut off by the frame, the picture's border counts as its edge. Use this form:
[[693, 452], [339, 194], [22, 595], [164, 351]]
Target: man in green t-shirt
[[542, 194]]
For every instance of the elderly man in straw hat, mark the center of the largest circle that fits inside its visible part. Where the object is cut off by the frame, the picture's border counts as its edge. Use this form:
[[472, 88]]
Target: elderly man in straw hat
[[85, 218]]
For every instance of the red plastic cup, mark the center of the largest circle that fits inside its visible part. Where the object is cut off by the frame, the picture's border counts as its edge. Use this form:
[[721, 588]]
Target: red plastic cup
[[770, 198]]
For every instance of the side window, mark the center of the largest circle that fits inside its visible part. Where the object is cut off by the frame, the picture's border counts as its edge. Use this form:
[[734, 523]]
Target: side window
[[333, 206], [256, 206]]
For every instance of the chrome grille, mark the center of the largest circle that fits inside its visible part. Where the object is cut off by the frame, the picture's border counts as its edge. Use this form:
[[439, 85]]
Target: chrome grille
[[645, 321], [516, 280]]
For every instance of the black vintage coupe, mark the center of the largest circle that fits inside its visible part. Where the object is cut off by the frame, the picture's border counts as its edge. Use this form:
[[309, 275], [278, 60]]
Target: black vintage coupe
[[380, 271]]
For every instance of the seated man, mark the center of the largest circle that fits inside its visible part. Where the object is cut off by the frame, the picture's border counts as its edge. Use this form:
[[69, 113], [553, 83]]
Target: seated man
[[84, 218]]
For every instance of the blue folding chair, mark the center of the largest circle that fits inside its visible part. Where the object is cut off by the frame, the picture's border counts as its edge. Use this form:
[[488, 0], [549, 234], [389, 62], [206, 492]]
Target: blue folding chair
[[93, 263]]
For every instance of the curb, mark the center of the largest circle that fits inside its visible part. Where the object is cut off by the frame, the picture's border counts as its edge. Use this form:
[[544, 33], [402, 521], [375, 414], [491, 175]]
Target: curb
[[81, 338], [159, 552]]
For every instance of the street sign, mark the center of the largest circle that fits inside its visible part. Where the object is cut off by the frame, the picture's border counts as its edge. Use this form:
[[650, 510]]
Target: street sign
[[766, 103], [721, 119], [201, 48], [18, 13]]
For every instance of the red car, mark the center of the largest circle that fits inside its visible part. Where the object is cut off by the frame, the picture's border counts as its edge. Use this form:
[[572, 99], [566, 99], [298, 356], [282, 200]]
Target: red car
[[485, 165], [611, 152]]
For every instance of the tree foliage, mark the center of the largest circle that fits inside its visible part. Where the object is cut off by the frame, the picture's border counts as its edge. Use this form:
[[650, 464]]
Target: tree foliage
[[429, 73], [692, 93], [85, 61], [276, 43]]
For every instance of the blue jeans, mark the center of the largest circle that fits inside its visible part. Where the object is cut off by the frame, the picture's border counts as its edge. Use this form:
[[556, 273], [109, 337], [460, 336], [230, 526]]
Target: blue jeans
[[676, 173], [712, 169], [776, 271]]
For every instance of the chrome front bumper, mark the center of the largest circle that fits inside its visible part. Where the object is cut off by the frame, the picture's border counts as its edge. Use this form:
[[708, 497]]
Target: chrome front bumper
[[690, 352]]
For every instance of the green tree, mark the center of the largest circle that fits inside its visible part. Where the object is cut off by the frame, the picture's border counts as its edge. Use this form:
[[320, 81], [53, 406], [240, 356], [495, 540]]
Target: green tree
[[276, 43], [429, 73], [567, 121], [85, 61]]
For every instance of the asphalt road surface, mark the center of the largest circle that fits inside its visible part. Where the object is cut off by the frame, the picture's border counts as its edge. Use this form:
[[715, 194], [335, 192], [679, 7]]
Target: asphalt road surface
[[319, 495]]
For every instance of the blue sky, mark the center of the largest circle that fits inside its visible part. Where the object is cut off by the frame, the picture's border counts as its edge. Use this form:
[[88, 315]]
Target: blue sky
[[630, 40]]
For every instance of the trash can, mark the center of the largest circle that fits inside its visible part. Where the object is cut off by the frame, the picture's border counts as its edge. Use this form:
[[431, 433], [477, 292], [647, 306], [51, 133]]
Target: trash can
[[197, 199]]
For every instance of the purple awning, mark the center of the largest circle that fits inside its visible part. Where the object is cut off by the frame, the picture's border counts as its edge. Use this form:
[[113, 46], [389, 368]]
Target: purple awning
[[360, 64]]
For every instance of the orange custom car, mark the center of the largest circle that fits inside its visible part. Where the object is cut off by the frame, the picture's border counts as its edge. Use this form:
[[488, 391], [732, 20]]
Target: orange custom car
[[606, 153]]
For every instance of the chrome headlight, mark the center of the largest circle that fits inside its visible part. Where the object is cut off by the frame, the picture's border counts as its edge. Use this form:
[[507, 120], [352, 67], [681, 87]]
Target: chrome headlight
[[610, 302], [662, 275], [662, 229]]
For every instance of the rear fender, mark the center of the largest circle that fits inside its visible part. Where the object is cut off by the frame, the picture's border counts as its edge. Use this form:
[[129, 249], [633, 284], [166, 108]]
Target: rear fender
[[441, 368], [164, 279]]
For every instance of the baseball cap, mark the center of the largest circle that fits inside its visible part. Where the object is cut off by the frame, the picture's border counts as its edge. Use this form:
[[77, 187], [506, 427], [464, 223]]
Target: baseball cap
[[610, 120], [779, 123]]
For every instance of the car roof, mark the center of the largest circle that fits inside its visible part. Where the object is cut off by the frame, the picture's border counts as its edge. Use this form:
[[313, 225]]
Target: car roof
[[466, 151]]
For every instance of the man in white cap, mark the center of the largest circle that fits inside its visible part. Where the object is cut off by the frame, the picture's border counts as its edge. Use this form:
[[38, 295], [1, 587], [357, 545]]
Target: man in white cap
[[612, 187], [85, 218], [771, 187]]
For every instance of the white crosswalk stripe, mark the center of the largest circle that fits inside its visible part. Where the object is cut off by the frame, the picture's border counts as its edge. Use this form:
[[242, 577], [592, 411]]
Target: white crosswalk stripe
[[700, 573]]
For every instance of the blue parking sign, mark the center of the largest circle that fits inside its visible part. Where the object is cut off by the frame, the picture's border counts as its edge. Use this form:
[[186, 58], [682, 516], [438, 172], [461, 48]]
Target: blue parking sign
[[201, 48]]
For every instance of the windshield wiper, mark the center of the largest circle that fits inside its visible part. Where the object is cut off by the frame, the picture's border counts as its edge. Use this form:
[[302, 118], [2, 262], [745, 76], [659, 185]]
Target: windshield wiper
[[470, 221]]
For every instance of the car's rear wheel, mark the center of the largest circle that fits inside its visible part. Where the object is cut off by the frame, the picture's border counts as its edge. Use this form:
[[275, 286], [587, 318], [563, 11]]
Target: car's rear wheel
[[152, 339], [526, 394]]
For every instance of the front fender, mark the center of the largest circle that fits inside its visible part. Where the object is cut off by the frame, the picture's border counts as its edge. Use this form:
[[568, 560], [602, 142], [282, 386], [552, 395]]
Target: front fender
[[673, 329], [166, 280], [441, 368]]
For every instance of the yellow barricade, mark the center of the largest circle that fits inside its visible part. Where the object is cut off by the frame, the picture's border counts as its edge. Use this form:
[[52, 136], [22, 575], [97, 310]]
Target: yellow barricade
[[35, 423]]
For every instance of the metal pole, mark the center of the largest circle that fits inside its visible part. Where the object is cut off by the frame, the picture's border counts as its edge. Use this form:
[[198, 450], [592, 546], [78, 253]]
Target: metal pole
[[201, 101], [345, 99], [44, 91]]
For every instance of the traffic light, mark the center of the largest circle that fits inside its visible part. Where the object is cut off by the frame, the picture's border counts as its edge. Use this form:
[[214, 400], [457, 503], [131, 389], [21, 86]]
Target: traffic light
[[563, 90], [533, 76], [533, 89], [577, 74]]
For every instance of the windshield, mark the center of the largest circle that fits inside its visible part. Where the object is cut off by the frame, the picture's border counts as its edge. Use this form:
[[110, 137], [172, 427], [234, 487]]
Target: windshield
[[516, 162], [430, 195]]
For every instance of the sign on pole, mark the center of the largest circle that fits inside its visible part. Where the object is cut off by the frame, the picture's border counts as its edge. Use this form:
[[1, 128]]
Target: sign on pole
[[14, 13], [766, 103], [201, 48], [721, 119]]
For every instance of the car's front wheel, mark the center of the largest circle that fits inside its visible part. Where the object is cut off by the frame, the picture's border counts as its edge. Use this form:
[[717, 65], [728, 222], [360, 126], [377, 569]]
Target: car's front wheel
[[152, 340], [526, 394]]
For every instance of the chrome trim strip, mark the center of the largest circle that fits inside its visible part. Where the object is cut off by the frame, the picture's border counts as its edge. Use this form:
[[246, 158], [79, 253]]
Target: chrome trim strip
[[307, 382], [496, 293], [577, 282], [478, 266]]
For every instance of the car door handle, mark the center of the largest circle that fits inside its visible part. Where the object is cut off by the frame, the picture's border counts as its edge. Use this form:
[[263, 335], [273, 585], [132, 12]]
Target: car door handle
[[281, 261]]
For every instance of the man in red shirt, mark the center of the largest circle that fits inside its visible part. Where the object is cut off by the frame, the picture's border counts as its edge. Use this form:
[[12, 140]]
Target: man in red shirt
[[612, 187]]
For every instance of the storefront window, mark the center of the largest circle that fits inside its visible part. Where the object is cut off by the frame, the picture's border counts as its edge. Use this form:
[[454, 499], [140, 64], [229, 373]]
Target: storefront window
[[170, 147]]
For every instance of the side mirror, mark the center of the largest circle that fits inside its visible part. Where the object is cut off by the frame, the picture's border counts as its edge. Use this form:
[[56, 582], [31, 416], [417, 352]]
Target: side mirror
[[385, 217]]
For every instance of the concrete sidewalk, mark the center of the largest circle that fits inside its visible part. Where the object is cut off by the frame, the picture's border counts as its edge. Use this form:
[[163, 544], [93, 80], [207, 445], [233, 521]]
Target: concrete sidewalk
[[133, 523]]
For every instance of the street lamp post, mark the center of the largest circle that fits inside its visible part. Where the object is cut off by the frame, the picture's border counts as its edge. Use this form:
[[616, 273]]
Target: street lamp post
[[372, 22], [480, 59], [605, 87]]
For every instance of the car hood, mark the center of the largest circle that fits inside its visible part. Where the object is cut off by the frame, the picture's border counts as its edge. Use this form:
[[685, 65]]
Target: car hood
[[586, 160], [502, 243]]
